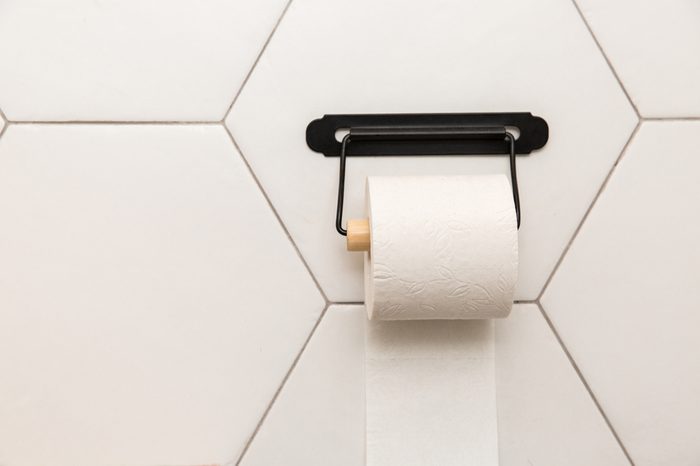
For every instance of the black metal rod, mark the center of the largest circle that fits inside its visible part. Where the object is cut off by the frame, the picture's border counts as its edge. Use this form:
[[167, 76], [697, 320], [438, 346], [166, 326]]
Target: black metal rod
[[412, 133], [514, 177], [341, 189]]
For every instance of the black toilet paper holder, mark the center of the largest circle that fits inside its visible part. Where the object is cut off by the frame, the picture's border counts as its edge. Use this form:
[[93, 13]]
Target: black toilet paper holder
[[426, 134]]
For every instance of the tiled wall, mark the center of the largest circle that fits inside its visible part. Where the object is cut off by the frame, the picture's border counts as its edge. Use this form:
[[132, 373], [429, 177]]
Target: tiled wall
[[173, 292]]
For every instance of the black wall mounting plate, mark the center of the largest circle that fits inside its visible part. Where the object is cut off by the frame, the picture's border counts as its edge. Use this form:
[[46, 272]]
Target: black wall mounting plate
[[321, 134]]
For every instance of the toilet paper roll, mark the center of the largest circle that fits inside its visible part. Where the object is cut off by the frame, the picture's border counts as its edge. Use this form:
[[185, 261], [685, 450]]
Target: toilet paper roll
[[442, 247]]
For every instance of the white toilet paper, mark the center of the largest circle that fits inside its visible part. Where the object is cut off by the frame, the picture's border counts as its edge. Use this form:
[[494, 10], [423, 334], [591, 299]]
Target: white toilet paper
[[442, 247], [430, 393]]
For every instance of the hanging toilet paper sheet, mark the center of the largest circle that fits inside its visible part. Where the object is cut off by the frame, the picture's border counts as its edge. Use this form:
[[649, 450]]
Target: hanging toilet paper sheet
[[430, 391], [443, 258]]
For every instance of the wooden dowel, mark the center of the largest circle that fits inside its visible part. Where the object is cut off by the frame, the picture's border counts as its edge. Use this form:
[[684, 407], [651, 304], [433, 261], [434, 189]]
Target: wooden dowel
[[358, 235]]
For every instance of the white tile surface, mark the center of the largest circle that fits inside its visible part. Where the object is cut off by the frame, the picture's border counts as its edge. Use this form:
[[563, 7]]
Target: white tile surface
[[128, 60], [444, 56], [546, 416], [655, 49], [150, 302], [625, 298], [319, 417]]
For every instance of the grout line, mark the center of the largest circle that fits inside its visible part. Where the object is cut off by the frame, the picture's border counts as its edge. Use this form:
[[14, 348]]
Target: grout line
[[216, 122], [607, 60], [4, 122], [281, 387], [671, 119], [112, 122], [362, 303], [257, 59], [588, 211], [277, 216], [585, 383], [197, 464]]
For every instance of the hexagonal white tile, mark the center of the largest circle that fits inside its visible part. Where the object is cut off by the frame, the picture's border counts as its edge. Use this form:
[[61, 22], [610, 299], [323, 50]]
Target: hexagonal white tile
[[625, 298], [115, 60], [319, 417], [545, 414], [444, 56], [150, 303], [654, 47], [536, 387]]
